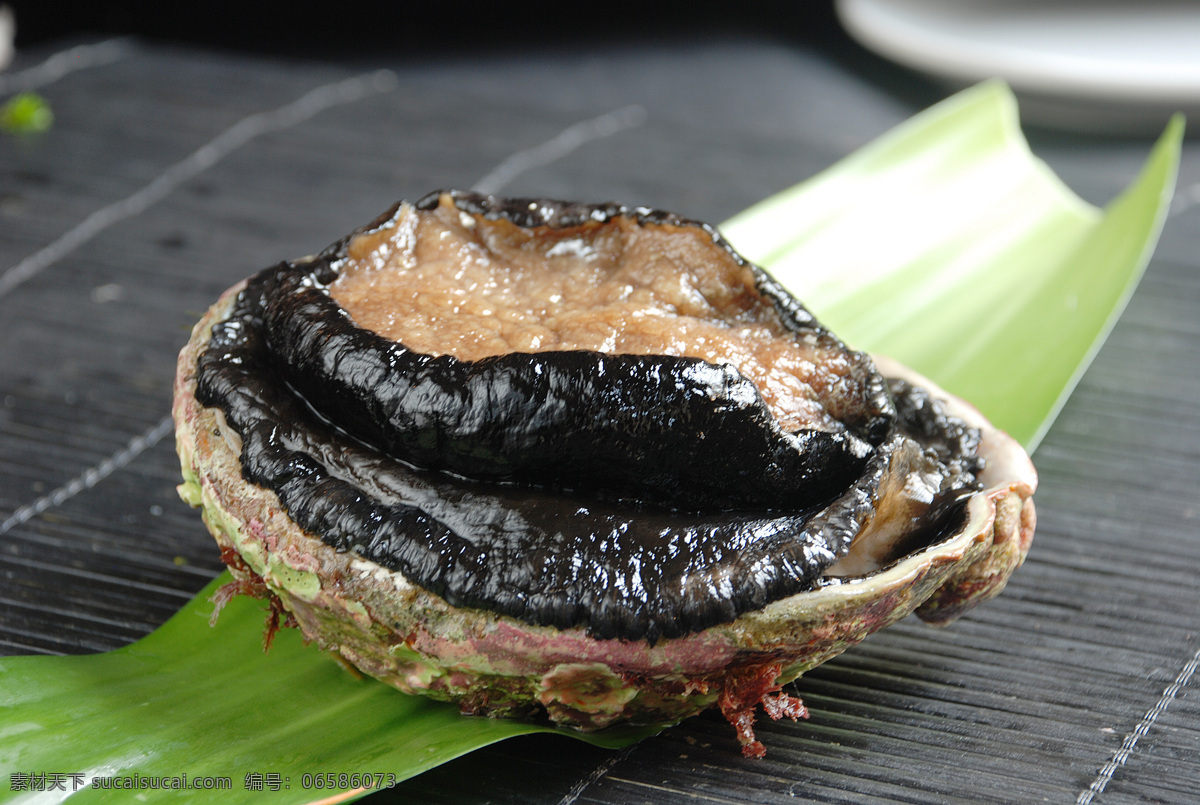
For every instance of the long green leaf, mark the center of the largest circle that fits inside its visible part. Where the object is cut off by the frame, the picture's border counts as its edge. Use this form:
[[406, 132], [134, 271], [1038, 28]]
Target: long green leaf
[[949, 247], [945, 244], [195, 700]]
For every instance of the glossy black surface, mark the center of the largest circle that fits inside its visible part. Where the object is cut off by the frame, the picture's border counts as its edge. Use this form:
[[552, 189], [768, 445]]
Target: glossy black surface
[[680, 431], [622, 568]]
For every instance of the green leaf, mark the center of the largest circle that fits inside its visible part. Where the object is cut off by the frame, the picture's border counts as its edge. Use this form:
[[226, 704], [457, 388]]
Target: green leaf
[[207, 702], [945, 244], [948, 246]]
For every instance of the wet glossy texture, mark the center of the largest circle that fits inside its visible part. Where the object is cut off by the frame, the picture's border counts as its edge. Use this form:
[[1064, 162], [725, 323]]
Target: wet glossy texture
[[732, 513], [681, 431]]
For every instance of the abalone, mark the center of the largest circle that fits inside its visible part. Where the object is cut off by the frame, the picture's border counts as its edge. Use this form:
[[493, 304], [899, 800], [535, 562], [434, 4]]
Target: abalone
[[579, 462]]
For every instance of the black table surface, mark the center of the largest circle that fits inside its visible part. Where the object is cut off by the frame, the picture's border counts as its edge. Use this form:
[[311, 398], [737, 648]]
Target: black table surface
[[172, 171]]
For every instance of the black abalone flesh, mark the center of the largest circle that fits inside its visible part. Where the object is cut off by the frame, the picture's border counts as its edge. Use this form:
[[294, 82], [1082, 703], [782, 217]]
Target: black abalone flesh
[[581, 463]]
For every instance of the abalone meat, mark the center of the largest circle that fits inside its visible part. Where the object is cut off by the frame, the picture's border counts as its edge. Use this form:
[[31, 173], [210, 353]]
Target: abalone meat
[[581, 463]]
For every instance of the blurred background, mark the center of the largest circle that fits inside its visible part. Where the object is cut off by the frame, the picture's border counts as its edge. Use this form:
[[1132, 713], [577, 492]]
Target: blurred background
[[422, 28], [1112, 67]]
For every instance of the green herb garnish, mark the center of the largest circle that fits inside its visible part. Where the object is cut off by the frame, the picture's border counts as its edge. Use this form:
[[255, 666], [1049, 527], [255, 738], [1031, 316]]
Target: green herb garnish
[[27, 113]]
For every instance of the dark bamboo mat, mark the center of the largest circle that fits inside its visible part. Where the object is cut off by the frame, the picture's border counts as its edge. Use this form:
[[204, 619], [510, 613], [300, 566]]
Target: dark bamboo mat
[[171, 173]]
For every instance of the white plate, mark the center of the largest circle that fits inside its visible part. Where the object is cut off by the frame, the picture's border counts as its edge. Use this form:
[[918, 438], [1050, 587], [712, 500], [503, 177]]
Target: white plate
[[1102, 59]]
